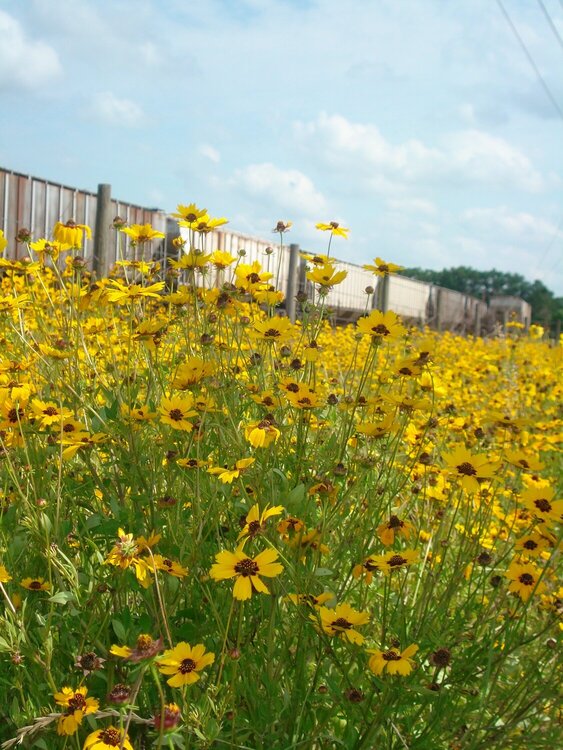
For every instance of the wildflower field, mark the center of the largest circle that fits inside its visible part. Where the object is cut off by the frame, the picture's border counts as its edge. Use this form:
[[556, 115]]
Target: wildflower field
[[219, 529]]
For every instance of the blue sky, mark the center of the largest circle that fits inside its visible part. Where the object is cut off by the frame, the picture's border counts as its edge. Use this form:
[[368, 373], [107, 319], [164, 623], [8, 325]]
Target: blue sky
[[420, 124]]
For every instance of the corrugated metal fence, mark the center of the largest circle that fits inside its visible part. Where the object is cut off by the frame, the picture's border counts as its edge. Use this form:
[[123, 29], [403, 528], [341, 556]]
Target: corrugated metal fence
[[36, 204]]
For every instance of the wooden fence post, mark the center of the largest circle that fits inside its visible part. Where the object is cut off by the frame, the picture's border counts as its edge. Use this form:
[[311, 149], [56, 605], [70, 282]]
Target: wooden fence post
[[102, 237], [290, 301], [439, 310]]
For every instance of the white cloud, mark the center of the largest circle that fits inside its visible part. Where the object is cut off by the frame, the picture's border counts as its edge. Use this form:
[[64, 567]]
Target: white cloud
[[115, 111], [466, 157], [286, 190], [518, 226], [25, 62], [210, 153]]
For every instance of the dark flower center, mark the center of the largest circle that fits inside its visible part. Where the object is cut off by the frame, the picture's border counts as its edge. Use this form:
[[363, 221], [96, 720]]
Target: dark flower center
[[342, 624], [187, 665], [176, 414], [246, 567], [272, 333], [530, 544], [543, 505], [395, 523], [35, 585], [77, 702], [396, 560], [526, 579], [254, 527], [50, 411], [381, 330], [467, 469], [391, 655], [111, 737]]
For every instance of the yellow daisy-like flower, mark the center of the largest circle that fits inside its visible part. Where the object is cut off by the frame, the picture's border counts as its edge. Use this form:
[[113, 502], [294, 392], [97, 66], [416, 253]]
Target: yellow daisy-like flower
[[335, 228], [171, 567], [35, 584], [107, 739], [381, 268], [393, 560], [145, 648], [176, 411], [261, 434], [49, 248], [4, 575], [70, 234], [524, 579], [247, 570], [273, 330], [126, 553], [523, 460], [3, 242], [189, 213], [203, 224], [468, 468], [221, 259], [255, 522], [326, 276], [141, 233], [381, 326], [394, 526], [184, 662], [392, 661], [341, 621], [540, 500], [120, 293], [226, 475], [190, 372], [76, 707]]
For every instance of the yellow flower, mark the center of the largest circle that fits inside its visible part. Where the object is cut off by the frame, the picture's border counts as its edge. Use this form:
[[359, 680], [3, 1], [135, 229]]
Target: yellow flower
[[221, 259], [540, 500], [189, 213], [119, 293], [255, 522], [145, 648], [70, 234], [326, 276], [191, 372], [387, 531], [184, 662], [393, 560], [381, 268], [126, 553], [3, 242], [393, 661], [341, 621], [169, 566], [50, 248], [77, 706], [246, 570], [273, 330], [381, 325], [107, 739], [203, 224], [141, 233], [523, 461], [524, 579], [4, 575], [335, 228], [261, 434], [226, 475], [193, 259], [35, 584], [175, 412], [468, 468]]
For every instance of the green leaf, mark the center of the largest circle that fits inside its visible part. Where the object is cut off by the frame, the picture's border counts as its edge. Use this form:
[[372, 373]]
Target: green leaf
[[62, 597]]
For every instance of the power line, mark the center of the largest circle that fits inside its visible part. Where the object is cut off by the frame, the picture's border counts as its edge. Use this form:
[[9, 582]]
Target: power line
[[550, 22], [541, 79]]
